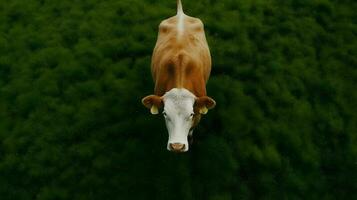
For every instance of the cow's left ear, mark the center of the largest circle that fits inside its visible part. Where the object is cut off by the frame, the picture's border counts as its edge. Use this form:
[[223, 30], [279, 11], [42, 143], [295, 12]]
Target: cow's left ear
[[204, 103], [153, 102]]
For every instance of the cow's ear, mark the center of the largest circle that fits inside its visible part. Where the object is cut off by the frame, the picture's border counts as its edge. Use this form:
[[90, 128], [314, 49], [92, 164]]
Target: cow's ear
[[152, 102], [202, 104]]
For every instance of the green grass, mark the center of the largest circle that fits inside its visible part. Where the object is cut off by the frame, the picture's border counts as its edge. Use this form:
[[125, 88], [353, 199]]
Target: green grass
[[72, 74]]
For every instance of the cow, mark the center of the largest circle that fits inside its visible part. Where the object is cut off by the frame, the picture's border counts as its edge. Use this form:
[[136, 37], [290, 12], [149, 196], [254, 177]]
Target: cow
[[180, 68]]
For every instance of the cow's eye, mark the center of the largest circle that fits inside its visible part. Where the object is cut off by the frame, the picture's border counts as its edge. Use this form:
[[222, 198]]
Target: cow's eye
[[192, 114], [164, 114]]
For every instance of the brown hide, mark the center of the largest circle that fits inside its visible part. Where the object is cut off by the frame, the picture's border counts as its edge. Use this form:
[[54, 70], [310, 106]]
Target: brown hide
[[181, 59]]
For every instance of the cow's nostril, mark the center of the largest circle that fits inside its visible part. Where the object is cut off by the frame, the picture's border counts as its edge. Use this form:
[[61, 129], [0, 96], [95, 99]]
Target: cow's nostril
[[177, 146]]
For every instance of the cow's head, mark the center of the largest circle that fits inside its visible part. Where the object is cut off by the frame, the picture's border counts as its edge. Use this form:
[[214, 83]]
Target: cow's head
[[182, 111]]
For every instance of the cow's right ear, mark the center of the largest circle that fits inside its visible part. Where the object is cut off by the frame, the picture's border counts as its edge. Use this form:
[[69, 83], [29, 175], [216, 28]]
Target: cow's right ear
[[153, 102], [202, 104]]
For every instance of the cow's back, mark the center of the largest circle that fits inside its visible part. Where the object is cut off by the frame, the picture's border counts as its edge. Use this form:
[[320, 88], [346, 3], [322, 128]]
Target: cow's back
[[181, 57]]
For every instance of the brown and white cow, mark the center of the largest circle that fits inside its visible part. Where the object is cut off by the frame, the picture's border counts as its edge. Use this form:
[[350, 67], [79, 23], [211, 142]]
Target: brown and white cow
[[181, 65]]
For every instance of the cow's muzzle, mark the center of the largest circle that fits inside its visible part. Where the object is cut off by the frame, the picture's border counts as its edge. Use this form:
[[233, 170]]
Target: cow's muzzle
[[177, 147]]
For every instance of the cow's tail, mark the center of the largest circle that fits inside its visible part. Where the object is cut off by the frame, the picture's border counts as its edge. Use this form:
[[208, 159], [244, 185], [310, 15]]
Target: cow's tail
[[179, 7]]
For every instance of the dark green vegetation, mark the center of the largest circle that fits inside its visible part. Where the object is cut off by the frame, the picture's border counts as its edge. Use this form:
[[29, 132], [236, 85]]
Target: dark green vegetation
[[72, 74]]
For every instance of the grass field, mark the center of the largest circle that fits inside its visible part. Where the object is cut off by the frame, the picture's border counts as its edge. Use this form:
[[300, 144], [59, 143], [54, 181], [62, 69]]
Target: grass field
[[72, 74]]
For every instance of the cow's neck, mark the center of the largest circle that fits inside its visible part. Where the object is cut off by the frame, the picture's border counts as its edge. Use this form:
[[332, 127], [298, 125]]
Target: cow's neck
[[187, 77], [191, 87]]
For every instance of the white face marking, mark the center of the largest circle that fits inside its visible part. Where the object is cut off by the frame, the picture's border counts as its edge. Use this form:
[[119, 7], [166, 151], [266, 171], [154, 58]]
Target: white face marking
[[178, 112]]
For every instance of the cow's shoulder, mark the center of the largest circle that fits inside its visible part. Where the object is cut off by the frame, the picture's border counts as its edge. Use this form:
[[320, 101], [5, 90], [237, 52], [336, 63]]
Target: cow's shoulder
[[168, 24], [194, 23]]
